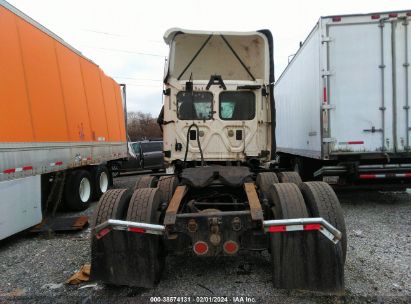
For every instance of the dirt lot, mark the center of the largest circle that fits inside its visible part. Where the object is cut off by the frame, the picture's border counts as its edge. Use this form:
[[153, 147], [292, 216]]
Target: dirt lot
[[34, 268]]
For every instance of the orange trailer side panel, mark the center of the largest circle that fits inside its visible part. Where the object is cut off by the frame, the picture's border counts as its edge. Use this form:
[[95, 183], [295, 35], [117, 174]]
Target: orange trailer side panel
[[92, 84], [51, 93], [15, 119], [45, 94], [74, 94], [111, 107]]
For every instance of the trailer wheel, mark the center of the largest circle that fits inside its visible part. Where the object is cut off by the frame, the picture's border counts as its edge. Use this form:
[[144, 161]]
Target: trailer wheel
[[167, 185], [322, 201], [149, 264], [289, 177], [264, 180], [78, 190], [291, 252], [113, 204], [101, 181], [146, 181]]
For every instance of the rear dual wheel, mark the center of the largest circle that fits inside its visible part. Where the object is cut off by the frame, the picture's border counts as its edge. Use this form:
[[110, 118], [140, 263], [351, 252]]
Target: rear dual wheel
[[126, 258], [306, 260], [322, 201], [290, 177], [149, 264], [167, 185], [146, 181]]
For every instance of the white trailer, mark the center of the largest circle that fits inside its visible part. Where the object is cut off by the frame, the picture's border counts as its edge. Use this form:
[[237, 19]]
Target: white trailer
[[343, 106]]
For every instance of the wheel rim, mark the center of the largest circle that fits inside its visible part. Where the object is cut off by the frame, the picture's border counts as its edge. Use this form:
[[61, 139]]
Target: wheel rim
[[103, 182], [84, 190]]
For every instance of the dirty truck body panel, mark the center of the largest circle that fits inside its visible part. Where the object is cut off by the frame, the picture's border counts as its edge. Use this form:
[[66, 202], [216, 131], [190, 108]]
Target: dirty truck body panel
[[234, 118]]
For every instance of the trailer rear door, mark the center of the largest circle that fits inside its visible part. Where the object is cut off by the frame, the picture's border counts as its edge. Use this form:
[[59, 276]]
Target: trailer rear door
[[401, 36], [367, 85]]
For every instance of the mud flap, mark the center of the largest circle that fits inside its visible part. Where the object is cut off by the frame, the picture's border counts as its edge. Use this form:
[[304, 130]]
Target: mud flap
[[126, 258]]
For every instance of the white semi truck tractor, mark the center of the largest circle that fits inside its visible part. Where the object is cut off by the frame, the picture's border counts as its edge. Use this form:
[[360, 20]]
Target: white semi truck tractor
[[219, 195]]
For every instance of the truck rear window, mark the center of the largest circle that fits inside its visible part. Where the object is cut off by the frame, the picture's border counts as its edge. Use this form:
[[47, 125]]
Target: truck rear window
[[237, 105], [194, 105]]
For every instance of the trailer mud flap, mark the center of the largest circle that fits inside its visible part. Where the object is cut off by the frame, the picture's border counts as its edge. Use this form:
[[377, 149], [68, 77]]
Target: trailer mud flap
[[127, 258]]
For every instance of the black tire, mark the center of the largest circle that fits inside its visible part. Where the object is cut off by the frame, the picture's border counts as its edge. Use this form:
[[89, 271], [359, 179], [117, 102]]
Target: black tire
[[107, 254], [113, 204], [145, 207], [291, 252], [264, 181], [115, 169], [289, 177], [78, 190], [167, 185], [101, 181], [146, 181], [322, 201]]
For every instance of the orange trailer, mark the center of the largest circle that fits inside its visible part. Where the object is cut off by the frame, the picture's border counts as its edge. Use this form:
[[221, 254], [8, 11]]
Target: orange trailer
[[59, 115]]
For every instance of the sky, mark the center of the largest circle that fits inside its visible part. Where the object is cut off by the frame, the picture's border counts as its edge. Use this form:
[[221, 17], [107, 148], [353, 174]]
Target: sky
[[125, 37]]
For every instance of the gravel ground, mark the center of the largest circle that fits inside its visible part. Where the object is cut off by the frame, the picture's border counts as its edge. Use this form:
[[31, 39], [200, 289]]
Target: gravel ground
[[34, 267]]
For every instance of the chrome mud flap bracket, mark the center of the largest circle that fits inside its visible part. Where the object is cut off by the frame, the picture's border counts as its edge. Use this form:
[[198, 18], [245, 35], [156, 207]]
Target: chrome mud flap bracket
[[304, 224]]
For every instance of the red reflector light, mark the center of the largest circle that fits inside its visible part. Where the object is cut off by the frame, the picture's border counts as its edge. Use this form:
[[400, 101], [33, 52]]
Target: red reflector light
[[102, 233], [27, 168], [277, 228], [136, 229], [393, 15], [336, 19], [375, 17], [59, 163], [230, 247], [200, 248], [358, 142], [8, 171], [312, 227], [325, 94]]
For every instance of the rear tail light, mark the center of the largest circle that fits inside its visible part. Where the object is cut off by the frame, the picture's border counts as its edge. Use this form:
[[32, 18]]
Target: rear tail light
[[393, 15], [230, 247], [336, 19], [409, 14], [200, 248], [375, 17]]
